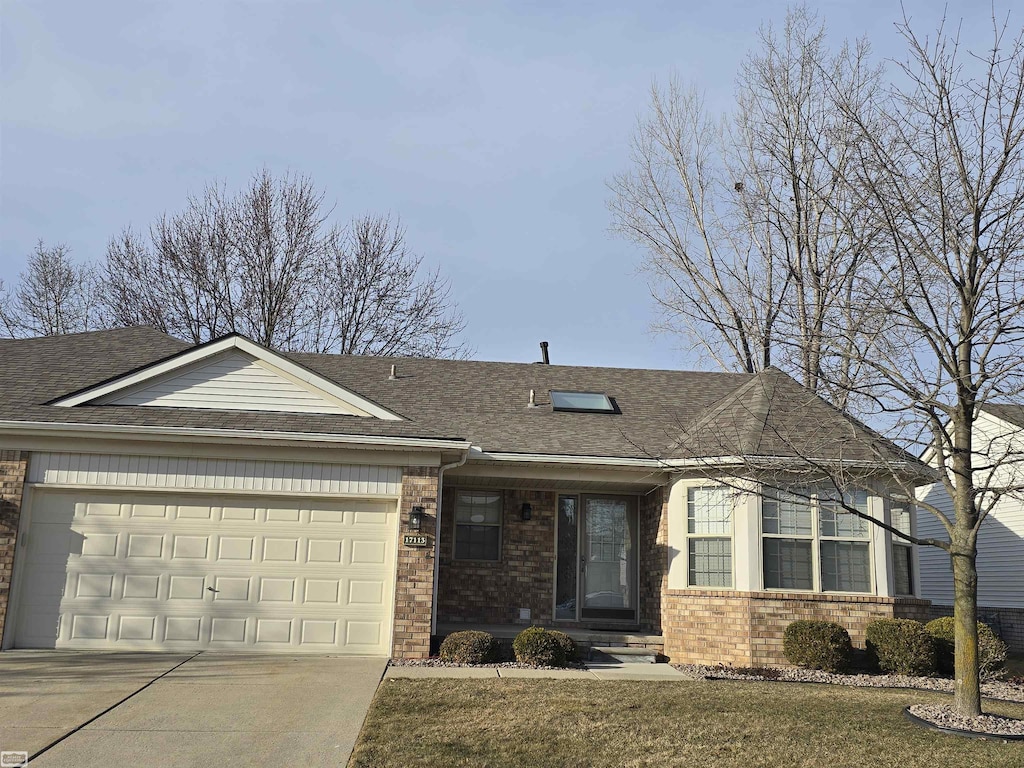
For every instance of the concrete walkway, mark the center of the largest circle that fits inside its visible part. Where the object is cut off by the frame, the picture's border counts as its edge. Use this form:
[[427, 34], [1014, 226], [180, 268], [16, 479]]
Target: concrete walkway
[[215, 709], [592, 672]]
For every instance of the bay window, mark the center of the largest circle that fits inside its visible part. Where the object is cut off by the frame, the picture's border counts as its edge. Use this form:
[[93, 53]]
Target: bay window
[[709, 537], [810, 542], [902, 550]]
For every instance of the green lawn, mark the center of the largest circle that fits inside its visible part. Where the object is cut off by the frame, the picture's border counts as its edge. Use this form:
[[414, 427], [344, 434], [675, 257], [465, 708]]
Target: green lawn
[[535, 723]]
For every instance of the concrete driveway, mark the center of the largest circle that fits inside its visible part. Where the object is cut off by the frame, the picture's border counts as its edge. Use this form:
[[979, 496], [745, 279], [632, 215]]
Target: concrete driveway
[[81, 708]]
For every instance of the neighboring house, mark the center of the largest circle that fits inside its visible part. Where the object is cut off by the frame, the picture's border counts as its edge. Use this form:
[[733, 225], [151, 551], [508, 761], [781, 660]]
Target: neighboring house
[[157, 495], [999, 436]]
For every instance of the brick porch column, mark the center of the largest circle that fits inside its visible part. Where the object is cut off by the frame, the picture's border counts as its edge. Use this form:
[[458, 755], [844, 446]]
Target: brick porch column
[[13, 465], [414, 581]]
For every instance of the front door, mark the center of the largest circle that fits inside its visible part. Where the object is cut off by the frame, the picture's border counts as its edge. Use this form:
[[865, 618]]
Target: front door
[[597, 565]]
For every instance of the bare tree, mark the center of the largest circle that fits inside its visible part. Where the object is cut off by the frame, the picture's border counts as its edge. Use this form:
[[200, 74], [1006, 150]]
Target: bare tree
[[752, 239], [922, 185], [53, 296], [945, 181], [267, 263], [374, 301]]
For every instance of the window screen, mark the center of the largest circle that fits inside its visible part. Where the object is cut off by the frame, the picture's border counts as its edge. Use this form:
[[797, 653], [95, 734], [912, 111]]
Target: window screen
[[787, 564]]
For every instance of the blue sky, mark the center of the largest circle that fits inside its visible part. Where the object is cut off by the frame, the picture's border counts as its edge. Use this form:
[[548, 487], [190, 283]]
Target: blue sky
[[491, 129]]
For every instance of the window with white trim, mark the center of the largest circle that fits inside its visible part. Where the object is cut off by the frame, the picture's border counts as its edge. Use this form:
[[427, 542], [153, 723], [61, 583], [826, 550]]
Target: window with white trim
[[902, 550], [478, 526], [709, 537], [810, 542]]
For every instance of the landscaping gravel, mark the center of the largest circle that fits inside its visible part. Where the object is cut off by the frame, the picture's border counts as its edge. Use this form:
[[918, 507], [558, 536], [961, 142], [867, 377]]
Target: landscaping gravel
[[943, 716], [436, 662], [994, 690]]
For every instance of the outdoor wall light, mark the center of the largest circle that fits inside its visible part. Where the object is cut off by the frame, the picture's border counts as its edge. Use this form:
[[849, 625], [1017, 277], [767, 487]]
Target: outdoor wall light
[[527, 510], [416, 519]]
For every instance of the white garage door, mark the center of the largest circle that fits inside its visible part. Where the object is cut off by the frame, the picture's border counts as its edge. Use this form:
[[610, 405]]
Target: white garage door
[[127, 571]]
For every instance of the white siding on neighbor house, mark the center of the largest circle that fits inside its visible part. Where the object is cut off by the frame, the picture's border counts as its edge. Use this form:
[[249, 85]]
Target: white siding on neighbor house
[[169, 472], [936, 574], [1000, 540], [234, 381]]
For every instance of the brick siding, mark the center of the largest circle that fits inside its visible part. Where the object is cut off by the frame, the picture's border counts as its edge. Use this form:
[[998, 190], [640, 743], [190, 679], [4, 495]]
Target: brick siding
[[414, 583], [745, 629], [653, 558], [492, 593], [12, 487]]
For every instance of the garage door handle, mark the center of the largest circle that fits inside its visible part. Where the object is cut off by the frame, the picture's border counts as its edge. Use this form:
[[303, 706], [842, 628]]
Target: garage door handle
[[211, 589]]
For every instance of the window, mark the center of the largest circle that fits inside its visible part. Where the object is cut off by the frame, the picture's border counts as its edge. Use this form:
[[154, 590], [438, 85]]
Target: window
[[787, 525], [581, 402], [709, 537], [844, 548], [809, 541], [902, 550], [478, 526]]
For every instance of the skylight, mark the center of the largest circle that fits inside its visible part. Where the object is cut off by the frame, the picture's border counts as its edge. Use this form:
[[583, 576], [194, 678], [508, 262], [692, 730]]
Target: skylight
[[581, 402]]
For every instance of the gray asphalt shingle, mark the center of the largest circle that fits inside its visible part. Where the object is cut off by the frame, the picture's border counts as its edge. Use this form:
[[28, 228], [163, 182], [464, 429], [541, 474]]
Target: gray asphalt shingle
[[483, 402]]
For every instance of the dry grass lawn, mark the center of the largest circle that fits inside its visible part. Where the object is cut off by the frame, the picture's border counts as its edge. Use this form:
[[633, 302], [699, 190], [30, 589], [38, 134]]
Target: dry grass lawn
[[496, 723]]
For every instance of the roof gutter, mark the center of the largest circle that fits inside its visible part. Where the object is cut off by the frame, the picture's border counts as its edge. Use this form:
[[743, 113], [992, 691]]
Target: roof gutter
[[65, 429], [781, 462]]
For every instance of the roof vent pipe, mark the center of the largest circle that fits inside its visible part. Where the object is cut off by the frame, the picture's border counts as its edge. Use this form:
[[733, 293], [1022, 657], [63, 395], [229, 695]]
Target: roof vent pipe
[[533, 398], [544, 353], [394, 373]]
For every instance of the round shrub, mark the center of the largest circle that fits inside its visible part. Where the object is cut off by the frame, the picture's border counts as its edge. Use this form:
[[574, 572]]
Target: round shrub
[[539, 648], [902, 646], [991, 650], [817, 645], [572, 652], [469, 647]]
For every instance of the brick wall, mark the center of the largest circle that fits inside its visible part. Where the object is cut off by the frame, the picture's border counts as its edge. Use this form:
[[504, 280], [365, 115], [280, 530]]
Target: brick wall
[[493, 593], [12, 485], [745, 629], [653, 558], [414, 584]]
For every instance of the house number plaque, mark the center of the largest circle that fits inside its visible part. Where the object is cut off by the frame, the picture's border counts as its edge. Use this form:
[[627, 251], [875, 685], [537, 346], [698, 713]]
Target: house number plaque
[[414, 540]]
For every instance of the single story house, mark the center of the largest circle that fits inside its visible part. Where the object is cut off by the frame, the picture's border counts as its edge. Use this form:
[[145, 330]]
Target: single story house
[[160, 495], [999, 437]]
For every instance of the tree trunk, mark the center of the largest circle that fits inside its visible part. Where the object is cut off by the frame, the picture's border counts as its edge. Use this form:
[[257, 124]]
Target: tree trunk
[[967, 699]]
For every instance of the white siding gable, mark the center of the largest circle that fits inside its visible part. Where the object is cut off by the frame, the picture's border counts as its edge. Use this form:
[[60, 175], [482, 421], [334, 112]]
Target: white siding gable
[[234, 381]]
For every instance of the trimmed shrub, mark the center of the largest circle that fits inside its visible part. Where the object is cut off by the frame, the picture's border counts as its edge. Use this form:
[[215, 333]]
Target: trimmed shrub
[[572, 652], [991, 650], [902, 646], [539, 648], [817, 645], [469, 647]]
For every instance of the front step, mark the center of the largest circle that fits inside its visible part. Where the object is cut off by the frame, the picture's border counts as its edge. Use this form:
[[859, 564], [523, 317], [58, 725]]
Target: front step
[[623, 655]]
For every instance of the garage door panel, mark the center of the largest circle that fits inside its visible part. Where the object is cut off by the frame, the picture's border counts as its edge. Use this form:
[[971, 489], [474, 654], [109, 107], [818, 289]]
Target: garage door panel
[[153, 571]]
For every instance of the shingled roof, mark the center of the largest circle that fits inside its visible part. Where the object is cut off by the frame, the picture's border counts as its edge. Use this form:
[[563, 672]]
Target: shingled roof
[[771, 415], [485, 403]]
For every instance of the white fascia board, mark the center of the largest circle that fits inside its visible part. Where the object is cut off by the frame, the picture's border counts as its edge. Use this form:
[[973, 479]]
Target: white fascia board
[[477, 454], [709, 462], [215, 348], [783, 462], [189, 434]]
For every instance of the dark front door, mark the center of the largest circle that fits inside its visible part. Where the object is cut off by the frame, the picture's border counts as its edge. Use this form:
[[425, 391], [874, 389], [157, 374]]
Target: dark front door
[[597, 563]]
